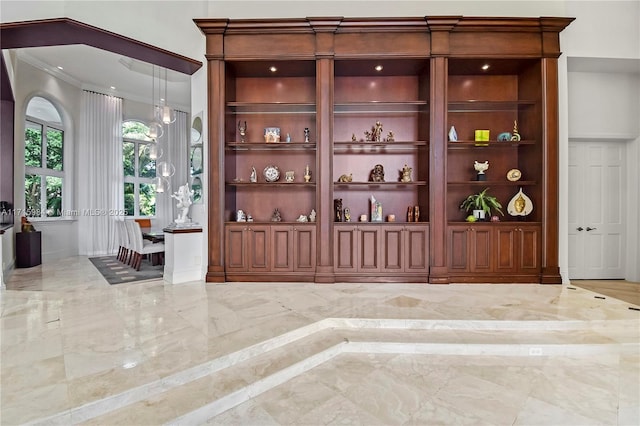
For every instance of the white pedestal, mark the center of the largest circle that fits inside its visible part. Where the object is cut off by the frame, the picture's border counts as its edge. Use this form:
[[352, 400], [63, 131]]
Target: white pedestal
[[182, 255]]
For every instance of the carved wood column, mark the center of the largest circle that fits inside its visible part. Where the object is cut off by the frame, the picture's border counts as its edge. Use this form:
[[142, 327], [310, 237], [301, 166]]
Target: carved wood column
[[440, 34], [325, 32], [550, 244], [214, 31]]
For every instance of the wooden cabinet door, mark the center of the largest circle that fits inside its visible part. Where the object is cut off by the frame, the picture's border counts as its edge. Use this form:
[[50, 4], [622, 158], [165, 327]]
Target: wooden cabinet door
[[258, 247], [416, 249], [507, 241], [529, 249], [393, 255], [518, 249], [304, 248], [235, 248], [470, 249], [345, 249], [281, 248], [481, 250], [458, 248], [369, 253]]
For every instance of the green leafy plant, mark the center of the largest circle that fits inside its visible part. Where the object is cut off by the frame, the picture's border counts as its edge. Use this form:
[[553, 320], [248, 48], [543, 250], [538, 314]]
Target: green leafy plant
[[482, 201]]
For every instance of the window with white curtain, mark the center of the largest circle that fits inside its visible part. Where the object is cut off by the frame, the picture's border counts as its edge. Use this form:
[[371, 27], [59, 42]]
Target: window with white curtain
[[44, 160], [139, 168]]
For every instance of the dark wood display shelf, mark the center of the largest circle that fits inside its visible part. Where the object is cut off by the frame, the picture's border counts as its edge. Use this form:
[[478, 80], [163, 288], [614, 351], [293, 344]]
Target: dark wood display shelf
[[360, 144], [494, 183], [262, 146], [487, 106], [264, 185], [386, 185], [490, 144], [418, 77], [271, 107]]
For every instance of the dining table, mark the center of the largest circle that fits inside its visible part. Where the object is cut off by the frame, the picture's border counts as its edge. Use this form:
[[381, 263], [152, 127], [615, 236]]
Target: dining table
[[155, 235]]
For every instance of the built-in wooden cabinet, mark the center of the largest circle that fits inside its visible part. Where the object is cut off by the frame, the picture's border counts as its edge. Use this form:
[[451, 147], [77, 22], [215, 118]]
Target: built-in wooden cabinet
[[332, 79], [489, 252], [270, 252], [387, 252]]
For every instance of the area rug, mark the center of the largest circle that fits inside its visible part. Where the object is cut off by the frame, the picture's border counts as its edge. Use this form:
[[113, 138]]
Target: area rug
[[116, 272]]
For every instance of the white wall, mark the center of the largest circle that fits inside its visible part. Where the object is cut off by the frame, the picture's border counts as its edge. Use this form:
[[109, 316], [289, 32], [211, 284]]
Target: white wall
[[604, 105]]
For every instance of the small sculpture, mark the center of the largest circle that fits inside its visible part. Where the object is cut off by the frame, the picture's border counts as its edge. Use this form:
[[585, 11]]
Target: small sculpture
[[243, 130], [241, 216], [254, 175], [391, 137], [288, 138], [353, 138], [337, 207], [406, 174], [183, 195], [302, 218], [26, 225], [289, 176], [307, 174], [275, 217], [416, 213], [520, 205], [306, 135], [376, 210], [453, 135], [480, 168], [516, 136], [347, 214], [410, 214], [377, 174], [377, 132], [312, 216], [345, 178]]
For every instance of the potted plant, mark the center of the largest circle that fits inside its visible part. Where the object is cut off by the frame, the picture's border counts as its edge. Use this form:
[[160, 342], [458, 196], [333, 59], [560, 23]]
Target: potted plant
[[481, 204]]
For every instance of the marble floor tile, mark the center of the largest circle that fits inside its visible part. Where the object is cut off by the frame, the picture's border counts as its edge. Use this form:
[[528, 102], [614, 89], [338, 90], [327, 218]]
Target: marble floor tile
[[75, 349]]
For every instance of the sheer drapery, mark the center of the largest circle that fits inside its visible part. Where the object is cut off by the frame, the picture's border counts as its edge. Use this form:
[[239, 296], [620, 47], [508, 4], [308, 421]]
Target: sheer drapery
[[174, 143], [100, 177]]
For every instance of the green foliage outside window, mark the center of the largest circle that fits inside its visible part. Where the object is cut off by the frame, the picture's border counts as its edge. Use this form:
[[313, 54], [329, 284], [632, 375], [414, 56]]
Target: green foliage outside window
[[138, 169], [33, 145], [41, 171], [54, 149]]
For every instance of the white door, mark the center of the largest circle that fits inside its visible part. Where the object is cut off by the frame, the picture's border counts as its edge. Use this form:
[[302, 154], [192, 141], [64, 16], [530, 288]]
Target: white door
[[596, 210]]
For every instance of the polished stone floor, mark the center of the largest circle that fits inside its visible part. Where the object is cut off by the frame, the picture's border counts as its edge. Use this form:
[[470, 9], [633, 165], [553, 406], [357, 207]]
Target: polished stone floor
[[76, 350]]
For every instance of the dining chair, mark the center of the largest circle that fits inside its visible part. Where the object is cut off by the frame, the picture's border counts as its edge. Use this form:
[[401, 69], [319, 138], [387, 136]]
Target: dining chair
[[123, 237], [140, 248]]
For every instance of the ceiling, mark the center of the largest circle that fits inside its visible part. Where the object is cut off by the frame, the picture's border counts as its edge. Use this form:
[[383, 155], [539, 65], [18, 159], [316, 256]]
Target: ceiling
[[99, 70]]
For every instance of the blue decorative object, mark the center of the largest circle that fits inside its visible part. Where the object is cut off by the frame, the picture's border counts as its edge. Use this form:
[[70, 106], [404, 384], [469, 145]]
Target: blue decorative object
[[504, 137]]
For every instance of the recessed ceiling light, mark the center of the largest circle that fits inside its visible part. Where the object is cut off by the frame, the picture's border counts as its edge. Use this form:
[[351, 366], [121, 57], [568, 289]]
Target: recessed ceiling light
[[485, 67], [60, 68], [378, 68], [113, 87], [273, 69]]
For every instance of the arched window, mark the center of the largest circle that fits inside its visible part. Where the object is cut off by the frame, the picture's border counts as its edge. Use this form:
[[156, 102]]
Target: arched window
[[139, 167], [43, 160]]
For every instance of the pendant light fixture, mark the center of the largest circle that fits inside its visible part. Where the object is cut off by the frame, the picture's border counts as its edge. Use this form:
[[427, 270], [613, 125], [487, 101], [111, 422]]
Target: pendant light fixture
[[164, 112], [155, 128]]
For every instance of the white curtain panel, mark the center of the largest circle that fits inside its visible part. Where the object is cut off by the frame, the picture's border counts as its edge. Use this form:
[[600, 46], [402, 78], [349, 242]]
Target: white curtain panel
[[100, 175], [175, 145]]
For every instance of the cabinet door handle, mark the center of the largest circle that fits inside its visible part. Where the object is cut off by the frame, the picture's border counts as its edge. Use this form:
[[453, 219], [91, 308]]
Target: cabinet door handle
[[591, 229], [579, 228]]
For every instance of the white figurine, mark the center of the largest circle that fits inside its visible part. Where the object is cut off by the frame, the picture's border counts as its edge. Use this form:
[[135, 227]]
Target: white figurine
[[183, 195], [254, 176]]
